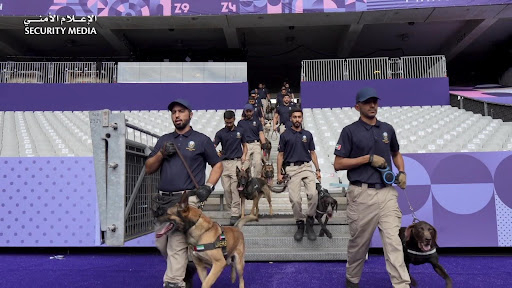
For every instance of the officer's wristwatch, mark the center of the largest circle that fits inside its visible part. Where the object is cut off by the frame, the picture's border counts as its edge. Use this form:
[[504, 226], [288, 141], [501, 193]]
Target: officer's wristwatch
[[318, 170]]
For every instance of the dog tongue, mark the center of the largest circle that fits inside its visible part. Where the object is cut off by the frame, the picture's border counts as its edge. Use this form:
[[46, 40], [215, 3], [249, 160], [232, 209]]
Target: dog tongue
[[240, 188], [425, 247], [164, 231]]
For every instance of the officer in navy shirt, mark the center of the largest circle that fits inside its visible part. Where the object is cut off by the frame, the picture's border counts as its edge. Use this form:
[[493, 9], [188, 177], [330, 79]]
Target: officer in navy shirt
[[255, 139], [282, 115], [263, 95], [296, 150], [197, 150], [230, 137], [364, 147], [280, 96]]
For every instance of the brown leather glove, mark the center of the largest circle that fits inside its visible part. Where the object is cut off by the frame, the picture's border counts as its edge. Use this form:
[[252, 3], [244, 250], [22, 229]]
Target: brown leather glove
[[377, 161], [168, 149], [402, 179]]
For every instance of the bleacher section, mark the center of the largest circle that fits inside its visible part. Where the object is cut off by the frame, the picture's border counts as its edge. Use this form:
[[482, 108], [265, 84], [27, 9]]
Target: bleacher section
[[420, 129]]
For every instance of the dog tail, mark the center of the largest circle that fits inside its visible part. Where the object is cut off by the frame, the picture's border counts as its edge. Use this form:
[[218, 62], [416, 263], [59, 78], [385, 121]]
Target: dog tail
[[249, 218]]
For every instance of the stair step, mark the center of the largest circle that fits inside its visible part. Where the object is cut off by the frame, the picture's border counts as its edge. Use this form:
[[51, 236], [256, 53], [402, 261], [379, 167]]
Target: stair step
[[266, 231], [290, 243], [316, 254]]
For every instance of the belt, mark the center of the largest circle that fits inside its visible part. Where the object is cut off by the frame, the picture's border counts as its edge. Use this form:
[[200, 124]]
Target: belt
[[370, 185], [298, 163], [163, 193], [232, 158], [253, 141]]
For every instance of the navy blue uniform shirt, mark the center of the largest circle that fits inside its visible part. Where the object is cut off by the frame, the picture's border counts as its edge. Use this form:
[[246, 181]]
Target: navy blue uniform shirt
[[296, 145], [284, 114], [279, 99], [262, 93], [360, 139], [251, 129], [197, 150], [231, 141]]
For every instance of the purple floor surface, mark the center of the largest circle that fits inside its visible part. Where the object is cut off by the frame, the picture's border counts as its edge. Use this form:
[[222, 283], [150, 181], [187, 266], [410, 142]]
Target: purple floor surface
[[120, 270]]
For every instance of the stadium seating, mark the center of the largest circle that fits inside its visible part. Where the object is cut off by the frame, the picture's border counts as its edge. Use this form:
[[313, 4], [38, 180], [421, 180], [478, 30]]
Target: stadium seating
[[420, 129]]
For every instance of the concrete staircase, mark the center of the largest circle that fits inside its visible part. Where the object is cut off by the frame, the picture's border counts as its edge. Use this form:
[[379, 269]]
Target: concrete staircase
[[271, 238]]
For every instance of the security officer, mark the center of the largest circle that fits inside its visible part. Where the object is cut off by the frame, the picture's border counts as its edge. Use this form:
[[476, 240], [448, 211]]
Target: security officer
[[364, 146], [264, 96], [258, 110], [230, 137], [253, 136], [282, 115], [197, 149], [280, 96], [296, 150]]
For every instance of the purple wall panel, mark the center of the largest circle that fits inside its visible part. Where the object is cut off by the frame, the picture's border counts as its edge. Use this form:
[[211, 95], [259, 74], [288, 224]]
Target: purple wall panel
[[393, 92], [47, 202], [53, 202], [84, 97]]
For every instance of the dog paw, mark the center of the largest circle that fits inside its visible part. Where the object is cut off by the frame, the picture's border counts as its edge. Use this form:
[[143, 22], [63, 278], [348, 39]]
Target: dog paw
[[329, 235]]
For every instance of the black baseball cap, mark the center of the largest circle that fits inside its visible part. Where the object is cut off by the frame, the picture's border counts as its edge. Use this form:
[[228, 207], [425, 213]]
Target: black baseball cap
[[365, 94], [181, 102]]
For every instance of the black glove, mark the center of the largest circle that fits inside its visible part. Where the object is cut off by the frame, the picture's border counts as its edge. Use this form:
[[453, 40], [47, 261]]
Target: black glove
[[203, 192], [168, 149]]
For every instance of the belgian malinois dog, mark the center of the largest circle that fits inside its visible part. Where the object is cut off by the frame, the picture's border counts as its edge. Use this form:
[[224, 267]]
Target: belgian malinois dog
[[252, 188], [200, 230], [267, 172]]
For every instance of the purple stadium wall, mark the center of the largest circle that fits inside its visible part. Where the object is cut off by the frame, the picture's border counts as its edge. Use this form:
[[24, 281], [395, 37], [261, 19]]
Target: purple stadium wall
[[393, 92], [52, 201], [85, 97]]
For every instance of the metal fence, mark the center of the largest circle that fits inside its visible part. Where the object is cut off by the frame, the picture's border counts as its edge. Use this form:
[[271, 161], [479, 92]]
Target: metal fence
[[373, 68], [124, 190], [424, 66], [495, 110], [58, 72]]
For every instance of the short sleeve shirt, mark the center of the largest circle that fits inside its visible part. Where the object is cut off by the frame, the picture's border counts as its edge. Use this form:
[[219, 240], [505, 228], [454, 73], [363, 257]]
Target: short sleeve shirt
[[296, 145]]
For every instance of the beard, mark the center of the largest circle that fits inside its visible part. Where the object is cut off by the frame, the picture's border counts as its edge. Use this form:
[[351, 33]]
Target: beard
[[184, 123], [297, 124]]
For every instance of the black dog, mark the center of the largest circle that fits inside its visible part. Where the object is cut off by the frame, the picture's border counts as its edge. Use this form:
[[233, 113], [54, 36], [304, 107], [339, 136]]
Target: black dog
[[252, 188], [326, 205], [419, 244]]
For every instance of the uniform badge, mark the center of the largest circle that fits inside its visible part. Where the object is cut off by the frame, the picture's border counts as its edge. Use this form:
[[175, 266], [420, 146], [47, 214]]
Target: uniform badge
[[338, 147], [238, 135], [385, 136], [191, 146], [304, 138], [254, 123]]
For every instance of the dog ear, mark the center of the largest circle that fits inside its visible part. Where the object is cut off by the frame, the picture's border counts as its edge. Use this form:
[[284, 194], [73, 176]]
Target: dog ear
[[237, 170], [336, 205], [184, 201], [248, 171], [408, 232]]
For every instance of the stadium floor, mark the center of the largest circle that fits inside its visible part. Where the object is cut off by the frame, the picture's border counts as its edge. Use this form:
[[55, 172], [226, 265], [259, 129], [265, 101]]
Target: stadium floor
[[145, 270]]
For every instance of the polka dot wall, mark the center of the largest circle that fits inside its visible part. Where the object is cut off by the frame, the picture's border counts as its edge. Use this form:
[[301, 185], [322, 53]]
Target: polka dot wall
[[47, 202]]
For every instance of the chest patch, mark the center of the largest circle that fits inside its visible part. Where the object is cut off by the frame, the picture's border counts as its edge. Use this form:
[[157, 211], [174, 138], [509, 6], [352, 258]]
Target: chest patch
[[191, 146], [385, 137]]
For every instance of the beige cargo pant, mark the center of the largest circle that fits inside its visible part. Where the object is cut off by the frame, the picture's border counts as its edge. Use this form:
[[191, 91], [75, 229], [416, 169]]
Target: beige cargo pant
[[302, 174], [174, 248], [253, 160], [368, 209], [229, 183]]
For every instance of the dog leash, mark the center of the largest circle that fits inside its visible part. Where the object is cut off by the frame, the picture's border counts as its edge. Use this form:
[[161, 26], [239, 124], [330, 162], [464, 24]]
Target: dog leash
[[274, 132], [414, 218], [201, 204]]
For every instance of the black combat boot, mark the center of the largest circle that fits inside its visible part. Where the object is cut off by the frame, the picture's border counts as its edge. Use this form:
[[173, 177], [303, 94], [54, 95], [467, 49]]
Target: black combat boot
[[300, 231], [309, 228], [349, 284]]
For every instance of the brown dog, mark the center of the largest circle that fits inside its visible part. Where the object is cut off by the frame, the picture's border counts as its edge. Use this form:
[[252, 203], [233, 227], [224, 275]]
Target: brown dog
[[201, 233], [267, 172], [266, 152], [252, 188], [419, 244]]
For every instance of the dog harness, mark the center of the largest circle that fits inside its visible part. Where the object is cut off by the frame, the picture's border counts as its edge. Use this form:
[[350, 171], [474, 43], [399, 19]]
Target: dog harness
[[220, 242], [422, 253]]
